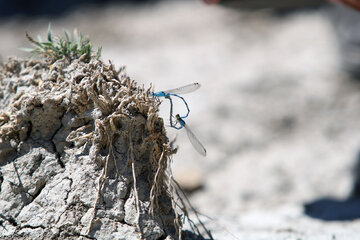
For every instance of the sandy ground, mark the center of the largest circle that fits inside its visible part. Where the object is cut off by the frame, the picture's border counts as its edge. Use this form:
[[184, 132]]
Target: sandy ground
[[277, 115]]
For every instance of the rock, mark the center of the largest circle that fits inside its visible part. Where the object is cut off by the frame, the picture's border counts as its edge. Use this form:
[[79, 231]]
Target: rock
[[190, 180], [80, 144]]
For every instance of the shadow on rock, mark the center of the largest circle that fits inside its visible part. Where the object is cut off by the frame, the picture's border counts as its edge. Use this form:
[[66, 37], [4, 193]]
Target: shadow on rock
[[328, 209], [188, 235]]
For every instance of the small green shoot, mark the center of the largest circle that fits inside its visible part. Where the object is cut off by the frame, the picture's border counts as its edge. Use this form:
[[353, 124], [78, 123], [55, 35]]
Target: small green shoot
[[55, 48]]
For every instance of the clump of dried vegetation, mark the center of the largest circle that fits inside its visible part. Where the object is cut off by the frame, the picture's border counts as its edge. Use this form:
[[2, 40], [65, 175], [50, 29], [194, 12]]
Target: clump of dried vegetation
[[118, 127]]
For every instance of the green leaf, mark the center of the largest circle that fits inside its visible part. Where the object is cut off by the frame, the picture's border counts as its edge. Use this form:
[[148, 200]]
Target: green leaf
[[49, 37], [25, 49]]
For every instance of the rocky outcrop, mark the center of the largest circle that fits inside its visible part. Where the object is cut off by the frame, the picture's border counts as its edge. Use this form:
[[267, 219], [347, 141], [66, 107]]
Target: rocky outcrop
[[83, 154]]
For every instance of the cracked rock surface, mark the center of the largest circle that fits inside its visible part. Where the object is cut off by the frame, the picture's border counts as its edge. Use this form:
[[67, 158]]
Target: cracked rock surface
[[73, 138]]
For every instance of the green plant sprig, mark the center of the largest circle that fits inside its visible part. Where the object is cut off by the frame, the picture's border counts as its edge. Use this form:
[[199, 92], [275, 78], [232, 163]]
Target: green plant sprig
[[56, 48]]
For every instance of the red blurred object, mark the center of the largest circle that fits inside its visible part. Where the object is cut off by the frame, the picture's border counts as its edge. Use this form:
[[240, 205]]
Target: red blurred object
[[352, 3], [262, 4]]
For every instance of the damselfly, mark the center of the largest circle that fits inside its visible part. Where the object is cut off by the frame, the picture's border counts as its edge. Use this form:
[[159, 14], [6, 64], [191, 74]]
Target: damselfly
[[175, 92], [193, 139]]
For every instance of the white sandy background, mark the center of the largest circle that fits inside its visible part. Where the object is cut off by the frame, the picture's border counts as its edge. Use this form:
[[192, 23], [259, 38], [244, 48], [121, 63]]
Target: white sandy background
[[279, 119]]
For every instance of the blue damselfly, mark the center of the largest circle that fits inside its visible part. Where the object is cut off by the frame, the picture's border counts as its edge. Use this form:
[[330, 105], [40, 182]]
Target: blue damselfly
[[193, 139], [175, 92]]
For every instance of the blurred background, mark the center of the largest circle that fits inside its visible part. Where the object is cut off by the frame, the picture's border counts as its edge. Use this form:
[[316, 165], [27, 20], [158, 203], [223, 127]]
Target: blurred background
[[278, 110]]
